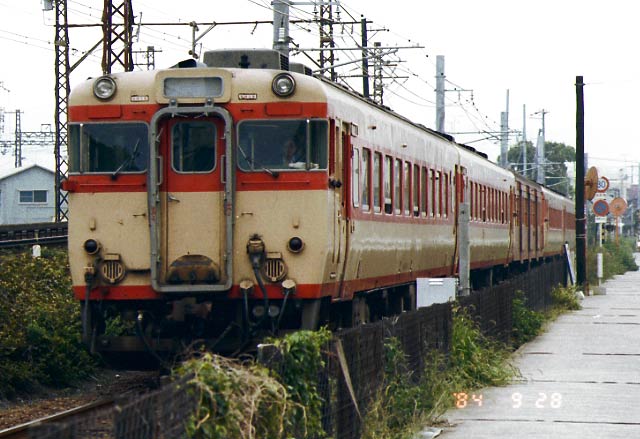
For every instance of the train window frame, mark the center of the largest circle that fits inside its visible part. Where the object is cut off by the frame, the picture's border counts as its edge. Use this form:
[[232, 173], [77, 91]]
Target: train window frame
[[366, 180], [406, 188], [388, 184], [397, 186], [376, 176], [439, 198], [79, 157], [432, 201], [415, 194], [257, 165], [355, 177], [446, 194], [424, 180], [195, 158]]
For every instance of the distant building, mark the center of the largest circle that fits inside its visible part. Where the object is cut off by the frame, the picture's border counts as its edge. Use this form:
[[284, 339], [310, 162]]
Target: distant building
[[27, 195]]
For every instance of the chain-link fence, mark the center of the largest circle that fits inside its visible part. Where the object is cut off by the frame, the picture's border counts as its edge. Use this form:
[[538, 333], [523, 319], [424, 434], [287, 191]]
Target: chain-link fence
[[354, 370]]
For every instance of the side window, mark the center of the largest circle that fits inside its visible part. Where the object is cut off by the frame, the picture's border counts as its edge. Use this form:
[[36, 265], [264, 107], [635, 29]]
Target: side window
[[355, 177], [432, 201], [424, 178], [416, 190], [388, 167], [194, 146], [439, 194], [366, 158], [377, 177], [397, 186], [446, 195], [406, 186]]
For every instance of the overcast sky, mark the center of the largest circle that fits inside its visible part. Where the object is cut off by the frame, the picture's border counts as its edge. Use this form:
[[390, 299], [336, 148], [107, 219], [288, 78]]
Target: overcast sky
[[533, 49]]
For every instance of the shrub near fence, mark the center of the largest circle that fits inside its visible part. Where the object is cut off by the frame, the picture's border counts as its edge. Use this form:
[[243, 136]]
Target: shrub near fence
[[354, 363]]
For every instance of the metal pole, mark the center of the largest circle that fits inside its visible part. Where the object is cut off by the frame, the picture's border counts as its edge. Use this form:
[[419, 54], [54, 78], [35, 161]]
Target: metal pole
[[581, 229], [440, 78], [365, 58]]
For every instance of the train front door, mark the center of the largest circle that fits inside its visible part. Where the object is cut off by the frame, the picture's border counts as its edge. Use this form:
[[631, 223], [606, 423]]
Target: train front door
[[341, 225], [191, 202]]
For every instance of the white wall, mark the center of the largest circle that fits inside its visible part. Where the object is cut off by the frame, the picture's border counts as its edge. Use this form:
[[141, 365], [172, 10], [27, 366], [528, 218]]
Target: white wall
[[12, 211]]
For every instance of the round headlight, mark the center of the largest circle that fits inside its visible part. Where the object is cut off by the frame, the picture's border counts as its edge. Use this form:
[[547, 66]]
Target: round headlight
[[283, 85], [104, 88]]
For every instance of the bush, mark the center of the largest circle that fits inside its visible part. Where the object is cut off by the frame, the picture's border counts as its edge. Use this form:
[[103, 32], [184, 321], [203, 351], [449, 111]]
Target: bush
[[618, 259], [565, 299], [40, 329], [527, 323]]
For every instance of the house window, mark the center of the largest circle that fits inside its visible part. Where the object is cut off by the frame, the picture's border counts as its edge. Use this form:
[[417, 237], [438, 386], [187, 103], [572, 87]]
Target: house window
[[33, 196]]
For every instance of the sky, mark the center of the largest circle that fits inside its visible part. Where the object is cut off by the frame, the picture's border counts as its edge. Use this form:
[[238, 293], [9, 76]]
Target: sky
[[534, 50]]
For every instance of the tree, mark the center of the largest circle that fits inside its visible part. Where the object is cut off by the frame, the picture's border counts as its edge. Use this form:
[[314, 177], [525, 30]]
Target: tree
[[556, 156]]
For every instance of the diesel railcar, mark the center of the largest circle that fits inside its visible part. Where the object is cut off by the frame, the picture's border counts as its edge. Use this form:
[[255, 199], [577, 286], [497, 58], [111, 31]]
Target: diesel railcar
[[212, 201]]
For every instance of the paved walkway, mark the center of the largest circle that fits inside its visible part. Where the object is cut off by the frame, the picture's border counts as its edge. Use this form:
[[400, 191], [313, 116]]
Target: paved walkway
[[580, 379]]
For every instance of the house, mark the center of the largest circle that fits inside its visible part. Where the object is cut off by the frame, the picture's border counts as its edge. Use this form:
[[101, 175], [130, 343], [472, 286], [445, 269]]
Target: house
[[27, 195]]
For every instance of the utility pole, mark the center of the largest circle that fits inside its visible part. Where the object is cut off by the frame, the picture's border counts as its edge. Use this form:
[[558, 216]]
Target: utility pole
[[378, 86], [365, 57], [327, 43], [117, 28], [540, 159], [581, 226], [281, 37], [62, 71], [18, 140], [440, 81], [149, 56], [524, 140], [504, 140]]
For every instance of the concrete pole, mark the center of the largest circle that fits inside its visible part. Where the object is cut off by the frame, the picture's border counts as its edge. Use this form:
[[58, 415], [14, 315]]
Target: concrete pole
[[524, 140], [440, 78], [581, 224], [464, 248], [504, 140], [281, 26]]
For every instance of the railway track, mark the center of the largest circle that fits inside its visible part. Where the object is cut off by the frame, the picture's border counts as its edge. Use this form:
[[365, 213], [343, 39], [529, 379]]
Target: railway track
[[17, 235], [22, 431]]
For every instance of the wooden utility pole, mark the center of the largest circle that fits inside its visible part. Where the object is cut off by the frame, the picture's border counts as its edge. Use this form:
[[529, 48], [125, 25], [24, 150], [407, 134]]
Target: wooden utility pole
[[581, 225]]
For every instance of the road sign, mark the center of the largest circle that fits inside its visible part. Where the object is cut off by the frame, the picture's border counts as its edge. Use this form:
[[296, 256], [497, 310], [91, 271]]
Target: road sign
[[601, 208], [603, 184], [618, 206], [601, 219]]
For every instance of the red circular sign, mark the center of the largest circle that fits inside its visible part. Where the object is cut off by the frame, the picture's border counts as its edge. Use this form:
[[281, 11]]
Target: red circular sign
[[601, 208]]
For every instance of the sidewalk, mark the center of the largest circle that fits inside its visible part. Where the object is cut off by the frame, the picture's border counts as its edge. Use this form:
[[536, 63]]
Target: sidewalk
[[580, 379]]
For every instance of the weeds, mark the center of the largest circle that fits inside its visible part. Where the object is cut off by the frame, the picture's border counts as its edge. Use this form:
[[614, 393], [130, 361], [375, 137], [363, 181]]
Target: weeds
[[527, 323]]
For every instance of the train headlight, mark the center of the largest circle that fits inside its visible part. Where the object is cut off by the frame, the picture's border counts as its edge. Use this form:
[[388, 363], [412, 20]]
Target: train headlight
[[295, 245], [91, 246], [283, 85], [104, 88]]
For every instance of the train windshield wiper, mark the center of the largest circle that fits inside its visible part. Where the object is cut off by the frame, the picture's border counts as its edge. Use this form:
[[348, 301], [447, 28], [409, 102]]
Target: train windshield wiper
[[253, 163], [128, 161]]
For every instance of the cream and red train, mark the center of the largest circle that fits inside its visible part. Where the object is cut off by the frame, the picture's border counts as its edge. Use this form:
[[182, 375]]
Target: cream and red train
[[216, 200]]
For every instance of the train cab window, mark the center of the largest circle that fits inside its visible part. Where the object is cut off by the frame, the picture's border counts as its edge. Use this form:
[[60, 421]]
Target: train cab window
[[295, 145], [388, 168], [366, 174], [193, 146], [397, 187], [416, 190], [377, 178], [424, 178], [406, 189], [355, 177], [108, 147]]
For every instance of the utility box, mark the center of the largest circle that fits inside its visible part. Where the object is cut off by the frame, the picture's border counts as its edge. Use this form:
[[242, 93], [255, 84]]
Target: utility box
[[432, 290]]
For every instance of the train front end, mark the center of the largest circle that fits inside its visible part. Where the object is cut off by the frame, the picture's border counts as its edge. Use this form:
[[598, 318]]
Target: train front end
[[198, 206]]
